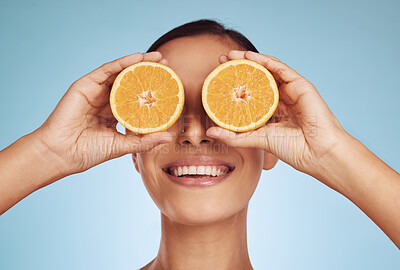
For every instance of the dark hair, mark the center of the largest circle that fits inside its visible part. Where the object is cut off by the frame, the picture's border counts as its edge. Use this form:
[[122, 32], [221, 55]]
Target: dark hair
[[204, 26]]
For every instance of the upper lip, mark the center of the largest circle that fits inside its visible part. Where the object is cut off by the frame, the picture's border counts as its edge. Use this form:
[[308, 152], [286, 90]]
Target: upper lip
[[198, 161]]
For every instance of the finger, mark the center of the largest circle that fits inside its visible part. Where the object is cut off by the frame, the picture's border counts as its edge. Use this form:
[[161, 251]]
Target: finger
[[107, 83], [101, 74], [281, 70], [252, 139], [125, 144], [164, 62], [105, 111], [235, 54], [152, 56], [223, 58]]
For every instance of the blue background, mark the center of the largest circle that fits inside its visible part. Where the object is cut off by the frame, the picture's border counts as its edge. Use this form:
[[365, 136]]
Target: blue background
[[104, 218]]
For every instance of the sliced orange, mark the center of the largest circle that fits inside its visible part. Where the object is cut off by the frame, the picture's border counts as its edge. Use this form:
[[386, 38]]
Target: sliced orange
[[240, 95], [147, 97]]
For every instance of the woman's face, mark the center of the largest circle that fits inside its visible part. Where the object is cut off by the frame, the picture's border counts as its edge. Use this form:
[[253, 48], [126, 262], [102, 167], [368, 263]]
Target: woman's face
[[193, 58]]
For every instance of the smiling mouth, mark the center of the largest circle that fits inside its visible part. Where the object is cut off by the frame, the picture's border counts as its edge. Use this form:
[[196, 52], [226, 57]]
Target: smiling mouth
[[199, 171]]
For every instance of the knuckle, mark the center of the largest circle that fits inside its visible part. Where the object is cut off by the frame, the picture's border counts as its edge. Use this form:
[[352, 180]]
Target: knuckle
[[78, 84], [280, 71], [266, 60], [107, 70], [75, 84], [303, 82]]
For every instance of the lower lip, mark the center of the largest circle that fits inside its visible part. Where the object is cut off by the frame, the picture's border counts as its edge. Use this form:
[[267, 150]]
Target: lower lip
[[198, 182]]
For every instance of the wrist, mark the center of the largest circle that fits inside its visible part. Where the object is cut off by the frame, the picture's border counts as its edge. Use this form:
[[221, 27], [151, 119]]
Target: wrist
[[25, 166], [336, 169], [46, 165]]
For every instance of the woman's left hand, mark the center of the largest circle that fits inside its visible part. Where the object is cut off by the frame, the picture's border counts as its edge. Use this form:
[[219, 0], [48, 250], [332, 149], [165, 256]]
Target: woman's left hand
[[303, 130], [306, 135]]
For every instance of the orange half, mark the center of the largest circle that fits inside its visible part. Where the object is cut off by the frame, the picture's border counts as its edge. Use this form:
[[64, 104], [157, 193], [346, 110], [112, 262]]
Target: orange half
[[147, 97], [240, 95]]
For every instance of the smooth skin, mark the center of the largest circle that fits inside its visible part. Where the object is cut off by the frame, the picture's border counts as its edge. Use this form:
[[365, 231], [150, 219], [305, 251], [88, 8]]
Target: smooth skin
[[305, 134]]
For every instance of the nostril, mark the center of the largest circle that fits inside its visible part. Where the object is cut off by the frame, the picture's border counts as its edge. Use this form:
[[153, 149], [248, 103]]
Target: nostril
[[204, 141], [186, 142]]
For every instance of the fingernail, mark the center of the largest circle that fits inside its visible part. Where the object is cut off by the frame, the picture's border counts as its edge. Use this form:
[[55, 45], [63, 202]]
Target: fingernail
[[211, 133], [163, 62], [155, 52]]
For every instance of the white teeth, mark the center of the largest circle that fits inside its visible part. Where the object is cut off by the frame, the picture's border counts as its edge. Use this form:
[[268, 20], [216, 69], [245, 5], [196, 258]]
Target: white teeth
[[201, 170], [192, 170], [214, 171], [207, 170], [198, 170]]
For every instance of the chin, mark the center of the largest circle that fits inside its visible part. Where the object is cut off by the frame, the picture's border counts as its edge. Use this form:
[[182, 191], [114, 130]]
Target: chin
[[202, 205], [203, 213]]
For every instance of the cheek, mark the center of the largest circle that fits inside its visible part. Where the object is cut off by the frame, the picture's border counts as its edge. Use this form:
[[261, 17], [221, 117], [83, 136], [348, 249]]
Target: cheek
[[253, 163], [147, 170], [250, 173]]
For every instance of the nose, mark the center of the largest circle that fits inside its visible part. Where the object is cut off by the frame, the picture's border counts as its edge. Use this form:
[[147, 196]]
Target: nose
[[193, 127]]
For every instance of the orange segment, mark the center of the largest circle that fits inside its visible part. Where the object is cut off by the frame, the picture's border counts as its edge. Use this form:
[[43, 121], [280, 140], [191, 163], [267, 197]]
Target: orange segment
[[240, 95], [147, 97]]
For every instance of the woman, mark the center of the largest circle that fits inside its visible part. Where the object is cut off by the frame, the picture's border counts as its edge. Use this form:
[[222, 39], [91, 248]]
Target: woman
[[203, 224]]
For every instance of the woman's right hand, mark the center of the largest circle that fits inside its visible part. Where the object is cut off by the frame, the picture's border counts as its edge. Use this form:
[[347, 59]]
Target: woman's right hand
[[81, 131]]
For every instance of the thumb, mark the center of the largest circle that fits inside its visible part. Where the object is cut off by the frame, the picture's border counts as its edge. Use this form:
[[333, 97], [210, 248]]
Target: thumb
[[254, 139], [132, 143]]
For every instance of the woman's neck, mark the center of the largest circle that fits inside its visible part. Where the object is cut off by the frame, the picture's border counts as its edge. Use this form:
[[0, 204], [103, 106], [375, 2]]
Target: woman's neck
[[221, 245]]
